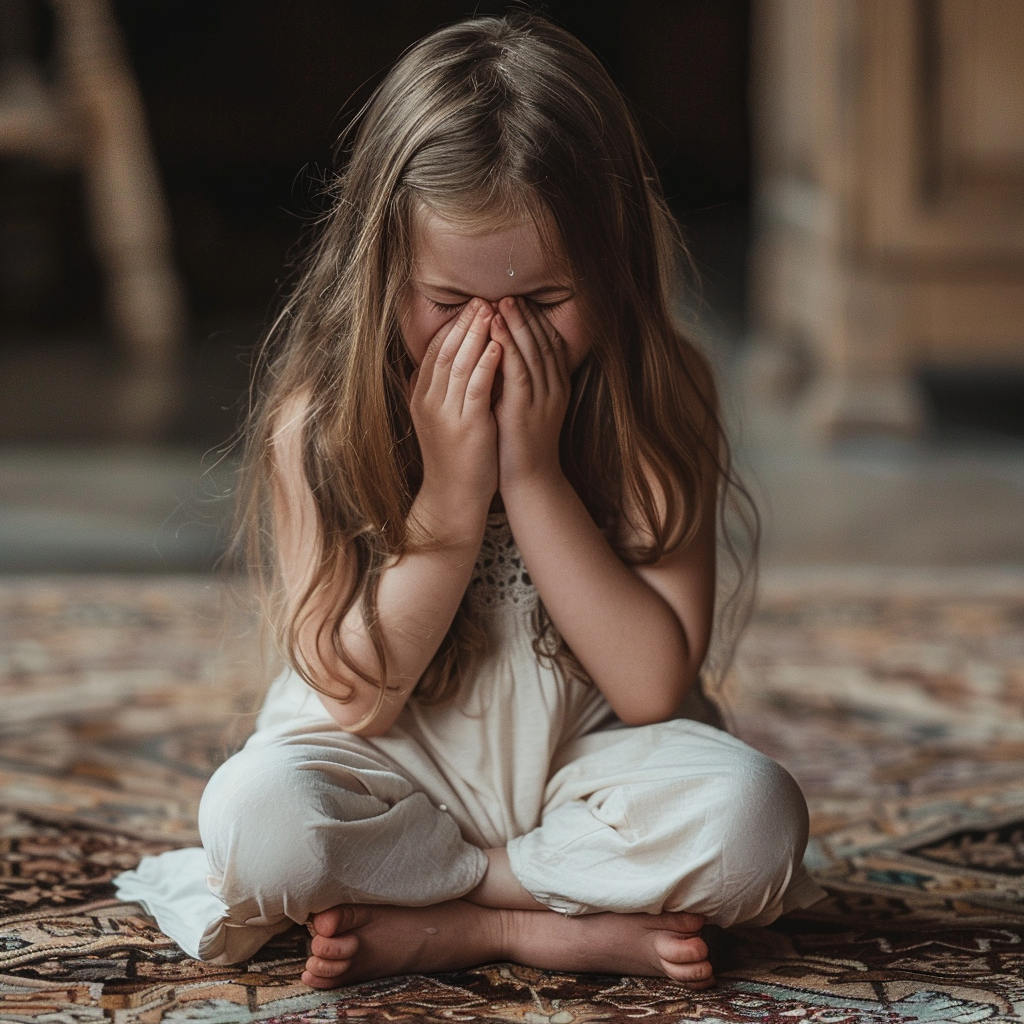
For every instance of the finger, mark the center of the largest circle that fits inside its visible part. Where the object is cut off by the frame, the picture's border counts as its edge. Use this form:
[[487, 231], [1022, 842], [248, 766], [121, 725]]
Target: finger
[[473, 345], [515, 372], [550, 342], [560, 358], [539, 324], [453, 333], [441, 383], [481, 383], [425, 371], [522, 332]]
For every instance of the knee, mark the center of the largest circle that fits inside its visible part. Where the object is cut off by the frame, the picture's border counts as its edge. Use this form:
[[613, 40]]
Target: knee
[[251, 799], [765, 828], [768, 807], [263, 820]]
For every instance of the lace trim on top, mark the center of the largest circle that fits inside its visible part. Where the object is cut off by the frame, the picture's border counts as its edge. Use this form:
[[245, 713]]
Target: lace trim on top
[[499, 576]]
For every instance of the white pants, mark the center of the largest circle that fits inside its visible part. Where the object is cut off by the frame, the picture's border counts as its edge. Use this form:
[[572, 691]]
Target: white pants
[[673, 816]]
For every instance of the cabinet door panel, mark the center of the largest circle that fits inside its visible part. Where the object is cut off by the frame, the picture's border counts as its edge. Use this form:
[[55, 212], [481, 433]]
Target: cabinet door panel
[[943, 129]]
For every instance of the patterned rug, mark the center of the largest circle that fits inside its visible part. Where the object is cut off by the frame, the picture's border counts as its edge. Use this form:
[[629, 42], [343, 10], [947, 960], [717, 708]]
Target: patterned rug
[[896, 701]]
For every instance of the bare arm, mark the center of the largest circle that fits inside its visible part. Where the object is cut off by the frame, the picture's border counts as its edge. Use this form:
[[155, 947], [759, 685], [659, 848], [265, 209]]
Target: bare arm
[[420, 592], [640, 633]]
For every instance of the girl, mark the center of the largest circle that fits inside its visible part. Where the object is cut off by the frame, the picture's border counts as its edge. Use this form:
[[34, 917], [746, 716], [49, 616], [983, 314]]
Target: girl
[[484, 475]]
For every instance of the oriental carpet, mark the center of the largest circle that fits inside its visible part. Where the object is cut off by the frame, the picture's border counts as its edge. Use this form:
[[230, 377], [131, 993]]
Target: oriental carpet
[[897, 701]]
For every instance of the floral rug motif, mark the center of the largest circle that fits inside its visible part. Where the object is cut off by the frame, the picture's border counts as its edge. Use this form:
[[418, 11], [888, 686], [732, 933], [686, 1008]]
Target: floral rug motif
[[895, 700]]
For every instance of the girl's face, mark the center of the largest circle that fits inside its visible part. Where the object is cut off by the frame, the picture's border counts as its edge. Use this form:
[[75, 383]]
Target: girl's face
[[453, 264]]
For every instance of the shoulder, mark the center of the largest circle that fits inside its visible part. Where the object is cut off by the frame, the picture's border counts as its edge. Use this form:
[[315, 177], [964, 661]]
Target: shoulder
[[665, 509], [289, 419], [287, 430]]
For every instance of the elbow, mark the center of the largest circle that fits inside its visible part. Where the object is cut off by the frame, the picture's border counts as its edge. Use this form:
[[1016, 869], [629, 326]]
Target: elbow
[[636, 718], [377, 719], [651, 701], [369, 731], [648, 707], [648, 712], [356, 705], [361, 715], [345, 699], [349, 699]]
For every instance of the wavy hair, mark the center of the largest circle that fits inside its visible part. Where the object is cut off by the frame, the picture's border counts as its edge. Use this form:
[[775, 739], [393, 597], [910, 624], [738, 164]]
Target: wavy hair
[[487, 122]]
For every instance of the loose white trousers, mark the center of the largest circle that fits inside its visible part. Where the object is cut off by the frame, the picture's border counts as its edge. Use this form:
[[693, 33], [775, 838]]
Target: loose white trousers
[[674, 816]]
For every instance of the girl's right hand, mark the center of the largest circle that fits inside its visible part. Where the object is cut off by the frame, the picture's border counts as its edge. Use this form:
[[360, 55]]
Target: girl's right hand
[[450, 403]]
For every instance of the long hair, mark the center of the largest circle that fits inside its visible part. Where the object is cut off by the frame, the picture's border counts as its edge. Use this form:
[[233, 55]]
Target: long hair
[[488, 122]]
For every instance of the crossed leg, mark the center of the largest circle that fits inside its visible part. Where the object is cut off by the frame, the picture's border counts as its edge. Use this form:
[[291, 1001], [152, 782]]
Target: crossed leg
[[362, 930]]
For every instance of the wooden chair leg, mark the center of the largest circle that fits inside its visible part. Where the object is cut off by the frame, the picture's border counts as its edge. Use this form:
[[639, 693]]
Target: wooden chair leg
[[127, 211]]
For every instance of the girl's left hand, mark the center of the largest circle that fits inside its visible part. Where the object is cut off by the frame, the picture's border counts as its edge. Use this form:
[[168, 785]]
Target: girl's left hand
[[534, 394]]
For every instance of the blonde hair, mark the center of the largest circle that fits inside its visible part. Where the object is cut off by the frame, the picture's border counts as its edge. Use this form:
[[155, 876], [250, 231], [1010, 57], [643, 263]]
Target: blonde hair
[[489, 122]]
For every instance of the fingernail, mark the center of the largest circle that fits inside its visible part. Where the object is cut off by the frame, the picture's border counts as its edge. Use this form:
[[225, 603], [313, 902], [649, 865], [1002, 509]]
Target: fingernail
[[498, 321]]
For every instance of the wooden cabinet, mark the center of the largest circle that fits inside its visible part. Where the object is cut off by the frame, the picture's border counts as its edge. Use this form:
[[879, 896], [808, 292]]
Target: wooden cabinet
[[890, 196]]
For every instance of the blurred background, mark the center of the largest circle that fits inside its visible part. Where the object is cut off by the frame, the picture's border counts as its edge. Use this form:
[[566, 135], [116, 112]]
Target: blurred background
[[849, 173]]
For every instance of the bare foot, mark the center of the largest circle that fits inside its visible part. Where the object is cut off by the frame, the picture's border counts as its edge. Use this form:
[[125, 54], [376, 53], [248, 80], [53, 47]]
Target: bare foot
[[355, 943]]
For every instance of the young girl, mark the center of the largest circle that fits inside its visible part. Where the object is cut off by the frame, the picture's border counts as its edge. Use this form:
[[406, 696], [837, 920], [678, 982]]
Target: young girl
[[485, 475]]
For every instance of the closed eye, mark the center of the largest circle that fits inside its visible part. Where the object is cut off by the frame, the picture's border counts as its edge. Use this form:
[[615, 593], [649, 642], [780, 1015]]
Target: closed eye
[[446, 307], [451, 307]]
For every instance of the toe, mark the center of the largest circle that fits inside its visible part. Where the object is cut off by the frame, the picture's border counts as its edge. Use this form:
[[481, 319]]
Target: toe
[[680, 949], [698, 975], [321, 968], [338, 947], [682, 922], [344, 918], [313, 981], [326, 922]]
